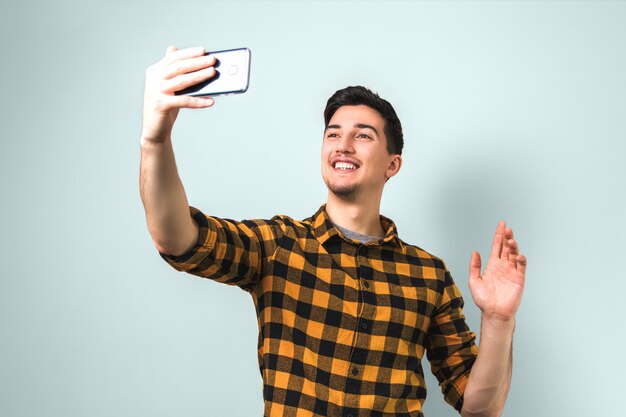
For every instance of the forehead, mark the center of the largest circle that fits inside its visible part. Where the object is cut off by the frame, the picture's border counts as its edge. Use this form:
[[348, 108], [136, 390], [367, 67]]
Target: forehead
[[350, 115]]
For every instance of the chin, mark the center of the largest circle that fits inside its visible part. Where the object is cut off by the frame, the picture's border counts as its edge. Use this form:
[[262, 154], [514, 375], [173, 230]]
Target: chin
[[345, 192]]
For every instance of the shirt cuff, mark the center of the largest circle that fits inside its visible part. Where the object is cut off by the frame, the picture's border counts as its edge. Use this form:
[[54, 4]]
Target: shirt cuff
[[201, 250]]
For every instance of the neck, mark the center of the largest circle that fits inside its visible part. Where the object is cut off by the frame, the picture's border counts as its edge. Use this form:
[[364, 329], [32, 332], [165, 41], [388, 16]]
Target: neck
[[358, 216]]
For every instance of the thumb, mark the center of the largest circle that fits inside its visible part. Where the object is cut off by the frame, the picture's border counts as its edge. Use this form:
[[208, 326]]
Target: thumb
[[474, 267], [171, 49]]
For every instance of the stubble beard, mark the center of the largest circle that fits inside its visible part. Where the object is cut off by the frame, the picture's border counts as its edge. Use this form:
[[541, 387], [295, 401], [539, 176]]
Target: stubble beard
[[348, 192]]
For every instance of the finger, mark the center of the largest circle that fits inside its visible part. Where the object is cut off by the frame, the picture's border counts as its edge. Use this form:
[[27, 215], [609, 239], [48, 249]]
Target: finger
[[520, 263], [498, 238], [185, 80], [175, 54], [513, 249], [506, 249], [190, 102], [475, 264], [185, 66]]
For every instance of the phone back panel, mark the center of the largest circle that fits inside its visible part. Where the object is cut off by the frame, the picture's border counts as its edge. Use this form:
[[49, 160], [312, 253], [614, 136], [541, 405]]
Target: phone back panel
[[232, 75]]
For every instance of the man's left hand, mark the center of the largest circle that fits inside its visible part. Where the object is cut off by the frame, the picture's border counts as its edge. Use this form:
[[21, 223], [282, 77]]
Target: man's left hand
[[498, 291]]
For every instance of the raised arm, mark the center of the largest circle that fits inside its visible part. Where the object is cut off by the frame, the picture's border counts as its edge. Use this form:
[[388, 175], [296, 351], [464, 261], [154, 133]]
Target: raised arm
[[498, 293], [167, 209]]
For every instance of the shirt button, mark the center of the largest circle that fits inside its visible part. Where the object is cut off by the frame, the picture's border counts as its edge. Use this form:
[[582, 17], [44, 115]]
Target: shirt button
[[364, 325], [355, 371], [366, 284]]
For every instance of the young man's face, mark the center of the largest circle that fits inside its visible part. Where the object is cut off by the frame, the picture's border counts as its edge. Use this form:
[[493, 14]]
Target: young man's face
[[355, 159]]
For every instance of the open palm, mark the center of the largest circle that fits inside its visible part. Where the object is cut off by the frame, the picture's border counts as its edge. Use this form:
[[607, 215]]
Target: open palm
[[498, 291]]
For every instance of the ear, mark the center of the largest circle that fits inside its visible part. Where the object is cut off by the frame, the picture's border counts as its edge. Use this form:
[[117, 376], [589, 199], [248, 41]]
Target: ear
[[394, 166]]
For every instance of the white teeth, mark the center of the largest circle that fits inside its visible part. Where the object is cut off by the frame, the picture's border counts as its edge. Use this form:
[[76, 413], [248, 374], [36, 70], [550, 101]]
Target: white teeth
[[344, 165]]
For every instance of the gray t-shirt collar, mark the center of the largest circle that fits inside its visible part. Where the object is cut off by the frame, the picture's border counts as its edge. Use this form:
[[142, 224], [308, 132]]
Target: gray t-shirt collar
[[359, 237]]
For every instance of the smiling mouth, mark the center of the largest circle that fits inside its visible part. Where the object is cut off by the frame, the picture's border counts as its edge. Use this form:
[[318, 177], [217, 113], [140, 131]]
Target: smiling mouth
[[344, 166]]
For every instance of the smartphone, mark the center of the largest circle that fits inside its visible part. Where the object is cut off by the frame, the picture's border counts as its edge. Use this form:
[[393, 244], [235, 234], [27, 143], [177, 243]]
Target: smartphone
[[232, 75]]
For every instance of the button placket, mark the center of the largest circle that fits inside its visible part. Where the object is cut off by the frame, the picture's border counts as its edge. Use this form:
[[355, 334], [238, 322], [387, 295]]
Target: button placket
[[358, 356]]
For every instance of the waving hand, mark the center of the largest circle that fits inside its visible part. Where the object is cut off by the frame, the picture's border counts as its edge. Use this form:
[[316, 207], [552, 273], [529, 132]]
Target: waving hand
[[498, 291]]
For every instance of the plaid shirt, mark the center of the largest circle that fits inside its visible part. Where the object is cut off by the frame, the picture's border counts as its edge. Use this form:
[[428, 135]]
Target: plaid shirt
[[343, 325]]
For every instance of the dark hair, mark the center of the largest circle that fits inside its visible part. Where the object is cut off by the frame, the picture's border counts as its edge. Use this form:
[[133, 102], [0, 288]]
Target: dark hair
[[359, 95]]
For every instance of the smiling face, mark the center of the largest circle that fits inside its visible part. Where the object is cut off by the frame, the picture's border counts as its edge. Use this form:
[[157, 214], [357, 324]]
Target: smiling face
[[355, 159]]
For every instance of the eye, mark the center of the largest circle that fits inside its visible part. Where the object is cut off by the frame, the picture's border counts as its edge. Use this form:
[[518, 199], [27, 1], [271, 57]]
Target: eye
[[363, 136], [332, 135]]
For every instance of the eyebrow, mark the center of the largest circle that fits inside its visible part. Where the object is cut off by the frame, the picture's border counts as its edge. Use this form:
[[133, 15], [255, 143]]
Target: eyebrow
[[359, 125]]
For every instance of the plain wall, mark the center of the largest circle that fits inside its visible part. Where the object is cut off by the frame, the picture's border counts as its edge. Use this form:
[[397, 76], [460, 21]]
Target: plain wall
[[511, 110]]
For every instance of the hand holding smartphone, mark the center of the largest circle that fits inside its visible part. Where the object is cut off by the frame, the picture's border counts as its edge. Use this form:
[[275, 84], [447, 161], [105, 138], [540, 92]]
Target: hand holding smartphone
[[167, 85], [232, 75]]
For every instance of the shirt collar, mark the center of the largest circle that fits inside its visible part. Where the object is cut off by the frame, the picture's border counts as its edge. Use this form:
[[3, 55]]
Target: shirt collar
[[323, 229]]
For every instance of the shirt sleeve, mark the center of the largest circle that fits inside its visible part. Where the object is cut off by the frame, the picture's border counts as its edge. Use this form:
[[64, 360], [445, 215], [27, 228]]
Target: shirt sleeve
[[228, 251], [451, 346]]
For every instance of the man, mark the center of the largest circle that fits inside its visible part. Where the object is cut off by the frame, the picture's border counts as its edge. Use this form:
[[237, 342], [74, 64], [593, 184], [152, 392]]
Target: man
[[346, 309]]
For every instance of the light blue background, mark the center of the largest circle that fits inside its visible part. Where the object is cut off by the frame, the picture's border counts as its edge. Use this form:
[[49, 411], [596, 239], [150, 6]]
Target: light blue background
[[511, 110]]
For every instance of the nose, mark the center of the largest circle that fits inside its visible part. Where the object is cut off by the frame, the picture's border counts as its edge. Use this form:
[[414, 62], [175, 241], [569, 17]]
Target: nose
[[345, 144]]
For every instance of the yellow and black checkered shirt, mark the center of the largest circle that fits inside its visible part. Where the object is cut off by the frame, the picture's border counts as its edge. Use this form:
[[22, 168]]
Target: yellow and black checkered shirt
[[343, 326]]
